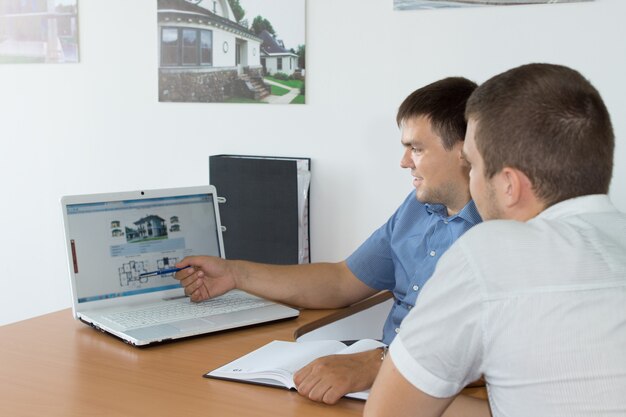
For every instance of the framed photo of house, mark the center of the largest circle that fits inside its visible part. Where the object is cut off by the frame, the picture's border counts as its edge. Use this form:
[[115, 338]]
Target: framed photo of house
[[440, 4], [232, 51], [38, 31]]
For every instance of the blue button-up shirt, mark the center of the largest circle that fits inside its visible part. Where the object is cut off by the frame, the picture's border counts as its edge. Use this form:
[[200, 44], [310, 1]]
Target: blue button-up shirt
[[401, 255]]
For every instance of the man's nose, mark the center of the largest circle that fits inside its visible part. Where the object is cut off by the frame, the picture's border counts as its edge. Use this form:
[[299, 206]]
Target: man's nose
[[406, 161]]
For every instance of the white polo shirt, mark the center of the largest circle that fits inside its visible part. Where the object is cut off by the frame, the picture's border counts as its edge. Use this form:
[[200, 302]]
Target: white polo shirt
[[538, 308]]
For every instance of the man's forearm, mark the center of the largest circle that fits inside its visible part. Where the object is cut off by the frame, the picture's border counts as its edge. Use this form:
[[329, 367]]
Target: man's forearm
[[317, 285]]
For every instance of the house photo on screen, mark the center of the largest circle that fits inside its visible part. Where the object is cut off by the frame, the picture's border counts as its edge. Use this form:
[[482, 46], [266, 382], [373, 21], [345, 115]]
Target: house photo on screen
[[38, 31], [440, 4], [232, 51]]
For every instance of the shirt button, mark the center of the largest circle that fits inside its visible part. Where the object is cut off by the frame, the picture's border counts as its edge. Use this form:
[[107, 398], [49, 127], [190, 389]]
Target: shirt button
[[433, 253], [397, 330], [416, 287], [445, 222]]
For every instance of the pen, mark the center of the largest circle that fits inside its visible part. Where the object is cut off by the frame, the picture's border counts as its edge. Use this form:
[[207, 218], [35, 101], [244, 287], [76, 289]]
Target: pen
[[163, 271]]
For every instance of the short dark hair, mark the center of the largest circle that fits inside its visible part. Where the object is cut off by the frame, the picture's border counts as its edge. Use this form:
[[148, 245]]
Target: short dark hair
[[443, 102], [549, 122]]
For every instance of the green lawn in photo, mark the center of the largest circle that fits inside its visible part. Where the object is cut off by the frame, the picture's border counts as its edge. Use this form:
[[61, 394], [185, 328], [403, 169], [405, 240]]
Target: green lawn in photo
[[288, 83], [299, 99], [278, 91]]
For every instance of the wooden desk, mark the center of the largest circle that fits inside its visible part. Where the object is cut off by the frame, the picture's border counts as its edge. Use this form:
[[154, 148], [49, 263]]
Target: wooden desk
[[55, 366]]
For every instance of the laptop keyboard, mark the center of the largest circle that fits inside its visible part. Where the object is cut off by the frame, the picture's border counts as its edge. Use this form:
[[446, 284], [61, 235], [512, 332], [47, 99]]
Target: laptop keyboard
[[184, 309]]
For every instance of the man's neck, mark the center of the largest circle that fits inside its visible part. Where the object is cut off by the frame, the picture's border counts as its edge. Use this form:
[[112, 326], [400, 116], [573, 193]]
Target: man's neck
[[455, 208], [526, 212]]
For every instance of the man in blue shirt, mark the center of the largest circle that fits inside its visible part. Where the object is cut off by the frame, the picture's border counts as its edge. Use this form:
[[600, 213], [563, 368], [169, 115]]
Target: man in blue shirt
[[400, 256]]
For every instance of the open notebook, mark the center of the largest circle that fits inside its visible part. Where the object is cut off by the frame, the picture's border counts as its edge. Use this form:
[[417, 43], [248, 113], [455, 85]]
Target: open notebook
[[122, 249]]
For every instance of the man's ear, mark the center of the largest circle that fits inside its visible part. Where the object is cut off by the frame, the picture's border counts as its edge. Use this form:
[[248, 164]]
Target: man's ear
[[458, 149], [516, 194], [514, 186]]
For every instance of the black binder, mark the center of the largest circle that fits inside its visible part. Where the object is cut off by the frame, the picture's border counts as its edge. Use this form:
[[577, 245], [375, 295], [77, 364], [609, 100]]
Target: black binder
[[262, 216]]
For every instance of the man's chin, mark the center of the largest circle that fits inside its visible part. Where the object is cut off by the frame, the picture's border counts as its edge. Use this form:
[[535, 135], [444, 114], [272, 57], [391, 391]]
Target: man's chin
[[426, 198], [422, 197]]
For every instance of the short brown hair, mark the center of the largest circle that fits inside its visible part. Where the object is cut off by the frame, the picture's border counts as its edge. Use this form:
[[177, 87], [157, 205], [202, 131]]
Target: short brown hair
[[443, 102], [549, 122]]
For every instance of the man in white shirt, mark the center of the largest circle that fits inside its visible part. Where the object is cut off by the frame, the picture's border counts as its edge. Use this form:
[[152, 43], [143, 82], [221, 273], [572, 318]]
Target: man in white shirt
[[535, 303]]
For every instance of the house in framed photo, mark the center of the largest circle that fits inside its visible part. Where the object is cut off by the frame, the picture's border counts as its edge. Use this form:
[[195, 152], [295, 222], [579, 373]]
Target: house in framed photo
[[38, 31], [275, 57], [205, 55]]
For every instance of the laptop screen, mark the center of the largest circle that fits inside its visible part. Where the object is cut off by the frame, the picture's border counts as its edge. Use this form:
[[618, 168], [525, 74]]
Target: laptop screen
[[124, 248]]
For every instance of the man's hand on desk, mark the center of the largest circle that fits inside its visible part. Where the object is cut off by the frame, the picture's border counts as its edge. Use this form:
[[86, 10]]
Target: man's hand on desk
[[329, 378], [208, 277]]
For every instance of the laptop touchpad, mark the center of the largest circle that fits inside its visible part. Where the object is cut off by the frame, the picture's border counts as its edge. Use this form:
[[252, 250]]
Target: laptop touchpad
[[192, 324]]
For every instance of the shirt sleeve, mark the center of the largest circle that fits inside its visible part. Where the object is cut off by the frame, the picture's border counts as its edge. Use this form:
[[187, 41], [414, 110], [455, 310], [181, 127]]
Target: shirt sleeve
[[373, 261], [439, 348]]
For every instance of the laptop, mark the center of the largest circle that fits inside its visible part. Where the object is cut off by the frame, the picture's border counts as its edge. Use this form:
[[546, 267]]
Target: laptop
[[122, 249]]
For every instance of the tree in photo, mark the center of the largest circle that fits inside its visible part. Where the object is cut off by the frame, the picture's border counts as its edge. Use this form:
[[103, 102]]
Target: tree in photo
[[238, 11], [259, 24]]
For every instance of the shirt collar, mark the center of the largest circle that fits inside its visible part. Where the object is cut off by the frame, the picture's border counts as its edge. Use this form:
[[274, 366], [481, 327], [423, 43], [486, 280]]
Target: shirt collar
[[438, 209], [597, 203], [469, 213]]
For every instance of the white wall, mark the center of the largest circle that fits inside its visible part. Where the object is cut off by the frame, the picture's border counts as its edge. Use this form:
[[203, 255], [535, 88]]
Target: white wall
[[221, 58], [71, 129]]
